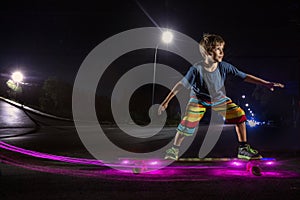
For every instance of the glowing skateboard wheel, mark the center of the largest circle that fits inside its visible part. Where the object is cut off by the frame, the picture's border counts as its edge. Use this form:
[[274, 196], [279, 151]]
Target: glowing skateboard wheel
[[136, 170], [256, 170]]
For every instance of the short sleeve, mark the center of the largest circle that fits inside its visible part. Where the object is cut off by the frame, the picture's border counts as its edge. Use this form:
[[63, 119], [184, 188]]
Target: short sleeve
[[232, 70], [189, 79]]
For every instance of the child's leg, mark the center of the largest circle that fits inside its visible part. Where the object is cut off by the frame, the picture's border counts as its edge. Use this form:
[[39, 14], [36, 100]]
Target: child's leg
[[240, 129], [189, 123], [179, 137], [235, 115], [193, 114], [232, 112]]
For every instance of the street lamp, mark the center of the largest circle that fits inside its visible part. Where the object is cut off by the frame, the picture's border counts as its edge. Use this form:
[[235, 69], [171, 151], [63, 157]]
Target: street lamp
[[17, 77], [15, 81], [167, 37]]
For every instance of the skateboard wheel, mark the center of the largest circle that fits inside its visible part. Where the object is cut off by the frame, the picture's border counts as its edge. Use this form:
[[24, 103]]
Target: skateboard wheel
[[136, 170], [255, 170]]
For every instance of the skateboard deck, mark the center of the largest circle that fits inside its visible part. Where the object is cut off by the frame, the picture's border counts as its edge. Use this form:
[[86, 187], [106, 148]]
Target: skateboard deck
[[255, 167]]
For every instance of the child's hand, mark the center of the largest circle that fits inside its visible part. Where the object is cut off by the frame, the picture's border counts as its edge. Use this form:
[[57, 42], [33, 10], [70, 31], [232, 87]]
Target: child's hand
[[162, 108], [272, 85]]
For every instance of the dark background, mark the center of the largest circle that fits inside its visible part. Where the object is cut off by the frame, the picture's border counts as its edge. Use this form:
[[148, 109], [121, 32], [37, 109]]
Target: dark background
[[50, 39]]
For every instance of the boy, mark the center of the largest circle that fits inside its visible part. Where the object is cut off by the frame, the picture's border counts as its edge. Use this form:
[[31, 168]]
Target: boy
[[206, 81]]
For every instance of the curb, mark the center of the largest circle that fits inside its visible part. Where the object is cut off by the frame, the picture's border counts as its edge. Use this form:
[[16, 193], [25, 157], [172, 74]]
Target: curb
[[26, 108]]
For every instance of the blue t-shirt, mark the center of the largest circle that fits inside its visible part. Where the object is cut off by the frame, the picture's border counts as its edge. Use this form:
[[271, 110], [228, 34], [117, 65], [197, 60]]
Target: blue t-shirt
[[209, 86]]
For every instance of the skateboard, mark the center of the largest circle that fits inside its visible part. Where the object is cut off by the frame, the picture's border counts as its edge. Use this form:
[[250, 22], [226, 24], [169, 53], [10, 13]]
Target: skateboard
[[255, 167]]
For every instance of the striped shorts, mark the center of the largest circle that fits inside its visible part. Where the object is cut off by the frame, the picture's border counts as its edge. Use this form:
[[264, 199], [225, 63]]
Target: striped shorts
[[196, 109]]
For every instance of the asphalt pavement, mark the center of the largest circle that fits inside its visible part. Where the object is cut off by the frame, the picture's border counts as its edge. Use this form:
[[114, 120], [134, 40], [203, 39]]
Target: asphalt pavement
[[44, 158]]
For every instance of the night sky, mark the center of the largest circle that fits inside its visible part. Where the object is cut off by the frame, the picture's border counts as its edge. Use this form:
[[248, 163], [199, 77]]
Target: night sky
[[52, 38]]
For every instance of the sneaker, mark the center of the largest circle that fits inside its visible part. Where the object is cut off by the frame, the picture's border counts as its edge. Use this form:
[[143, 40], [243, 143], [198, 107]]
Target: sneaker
[[248, 153], [172, 154]]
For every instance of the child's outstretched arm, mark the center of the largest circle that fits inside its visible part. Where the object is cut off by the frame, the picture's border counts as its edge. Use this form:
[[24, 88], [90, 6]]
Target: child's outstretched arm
[[163, 106], [271, 85]]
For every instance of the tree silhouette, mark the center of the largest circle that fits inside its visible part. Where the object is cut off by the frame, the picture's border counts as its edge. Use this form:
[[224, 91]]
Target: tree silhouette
[[56, 97]]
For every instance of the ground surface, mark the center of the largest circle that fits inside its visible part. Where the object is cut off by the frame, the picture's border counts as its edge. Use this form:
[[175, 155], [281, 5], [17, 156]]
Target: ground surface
[[28, 177]]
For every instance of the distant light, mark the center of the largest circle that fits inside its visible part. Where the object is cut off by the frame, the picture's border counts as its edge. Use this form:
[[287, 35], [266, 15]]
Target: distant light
[[17, 77], [154, 163], [167, 37], [243, 96], [249, 109], [125, 162], [270, 163], [252, 123], [237, 164], [246, 104]]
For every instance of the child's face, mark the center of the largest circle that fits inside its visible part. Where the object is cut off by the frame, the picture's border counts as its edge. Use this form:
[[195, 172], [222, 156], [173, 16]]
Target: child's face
[[217, 53]]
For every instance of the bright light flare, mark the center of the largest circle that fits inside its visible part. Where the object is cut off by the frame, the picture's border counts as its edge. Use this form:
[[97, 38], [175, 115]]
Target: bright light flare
[[270, 163], [17, 77], [125, 162], [154, 163], [252, 123], [167, 37], [237, 164]]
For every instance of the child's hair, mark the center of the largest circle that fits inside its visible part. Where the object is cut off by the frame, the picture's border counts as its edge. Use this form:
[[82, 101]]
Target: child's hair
[[208, 42]]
